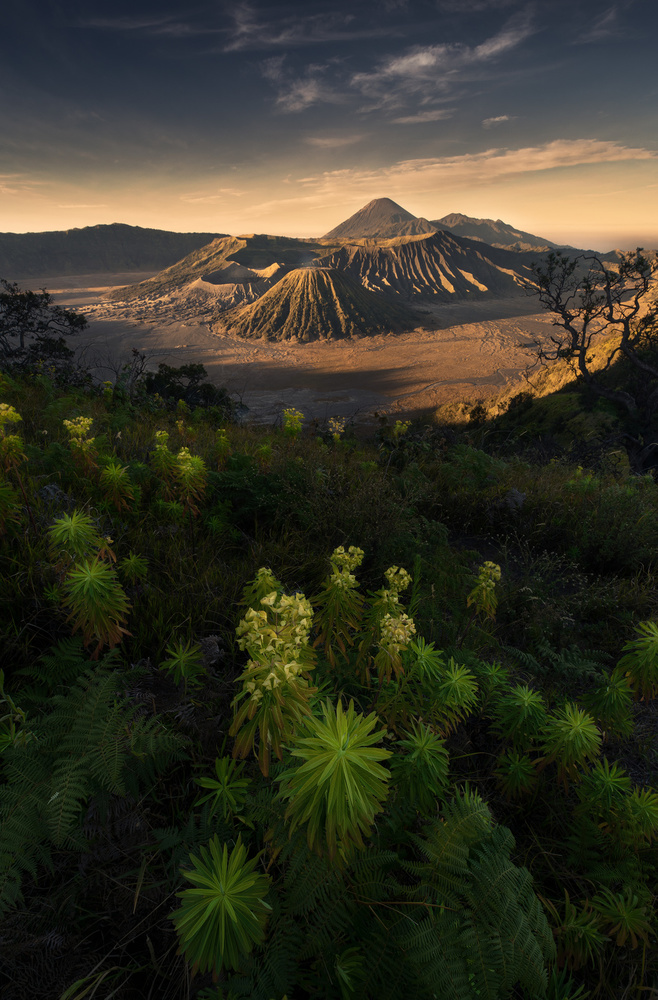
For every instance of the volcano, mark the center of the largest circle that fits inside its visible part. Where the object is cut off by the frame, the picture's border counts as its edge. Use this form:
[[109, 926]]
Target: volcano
[[316, 303], [441, 267], [381, 219]]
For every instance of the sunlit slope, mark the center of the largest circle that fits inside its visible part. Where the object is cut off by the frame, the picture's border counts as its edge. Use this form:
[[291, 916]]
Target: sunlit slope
[[230, 260], [317, 304], [440, 266], [380, 219]]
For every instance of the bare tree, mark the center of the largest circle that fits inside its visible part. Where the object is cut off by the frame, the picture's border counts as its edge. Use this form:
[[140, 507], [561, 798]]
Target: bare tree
[[593, 302]]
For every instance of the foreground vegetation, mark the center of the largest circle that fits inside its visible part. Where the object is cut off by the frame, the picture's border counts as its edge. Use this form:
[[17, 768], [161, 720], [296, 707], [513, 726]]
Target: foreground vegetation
[[287, 713]]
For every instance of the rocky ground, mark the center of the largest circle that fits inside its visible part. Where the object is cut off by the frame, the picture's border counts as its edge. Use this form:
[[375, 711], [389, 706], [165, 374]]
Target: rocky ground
[[478, 349]]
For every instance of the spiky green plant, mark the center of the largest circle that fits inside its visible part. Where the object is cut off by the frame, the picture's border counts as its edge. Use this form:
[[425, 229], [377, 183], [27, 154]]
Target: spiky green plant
[[420, 771], [13, 731], [571, 739], [519, 715], [116, 485], [641, 661], [73, 537], [640, 818], [228, 791], [134, 568], [221, 919], [191, 477], [603, 793], [185, 663], [623, 915], [163, 463], [516, 774], [350, 970], [455, 697], [96, 603], [424, 661], [577, 933], [340, 786], [610, 703]]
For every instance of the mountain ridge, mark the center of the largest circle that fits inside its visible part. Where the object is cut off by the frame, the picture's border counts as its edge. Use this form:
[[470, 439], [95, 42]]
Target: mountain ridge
[[92, 249]]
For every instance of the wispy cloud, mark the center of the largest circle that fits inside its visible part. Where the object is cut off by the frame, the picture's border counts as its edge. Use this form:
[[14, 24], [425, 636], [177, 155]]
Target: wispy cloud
[[475, 169], [438, 114], [78, 205], [298, 92], [253, 30], [604, 28], [161, 25], [431, 69], [17, 183], [498, 120], [222, 194], [332, 142]]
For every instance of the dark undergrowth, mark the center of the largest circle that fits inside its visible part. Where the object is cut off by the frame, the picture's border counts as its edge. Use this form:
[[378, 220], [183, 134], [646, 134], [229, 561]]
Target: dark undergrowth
[[492, 831]]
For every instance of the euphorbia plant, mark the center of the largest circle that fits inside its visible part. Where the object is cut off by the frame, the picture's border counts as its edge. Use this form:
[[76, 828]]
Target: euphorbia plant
[[116, 485], [97, 603], [571, 738], [275, 692], [224, 915], [341, 785]]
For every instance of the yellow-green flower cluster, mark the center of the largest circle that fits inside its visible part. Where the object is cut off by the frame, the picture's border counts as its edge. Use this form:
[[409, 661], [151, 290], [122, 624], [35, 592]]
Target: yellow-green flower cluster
[[342, 566], [397, 578], [396, 632], [400, 428], [78, 429], [161, 439], [187, 462], [292, 421], [10, 444], [483, 595], [276, 638], [8, 415], [489, 575], [337, 427]]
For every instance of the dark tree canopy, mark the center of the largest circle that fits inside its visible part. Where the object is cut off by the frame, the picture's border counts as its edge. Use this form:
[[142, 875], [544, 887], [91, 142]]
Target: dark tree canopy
[[593, 302], [33, 331]]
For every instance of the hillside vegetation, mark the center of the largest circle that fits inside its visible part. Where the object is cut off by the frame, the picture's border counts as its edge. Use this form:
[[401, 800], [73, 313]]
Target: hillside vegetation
[[288, 714]]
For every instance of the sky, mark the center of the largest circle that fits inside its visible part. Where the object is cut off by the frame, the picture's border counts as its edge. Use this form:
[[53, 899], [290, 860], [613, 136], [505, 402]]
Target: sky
[[287, 118]]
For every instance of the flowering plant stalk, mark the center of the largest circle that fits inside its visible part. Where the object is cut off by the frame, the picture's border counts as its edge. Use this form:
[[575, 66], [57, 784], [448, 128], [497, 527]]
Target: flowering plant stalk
[[275, 692], [81, 444], [339, 606]]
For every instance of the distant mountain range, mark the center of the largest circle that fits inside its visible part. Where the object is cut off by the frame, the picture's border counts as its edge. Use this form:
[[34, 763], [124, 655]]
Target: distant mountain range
[[385, 219], [496, 234], [281, 288], [94, 249], [364, 276]]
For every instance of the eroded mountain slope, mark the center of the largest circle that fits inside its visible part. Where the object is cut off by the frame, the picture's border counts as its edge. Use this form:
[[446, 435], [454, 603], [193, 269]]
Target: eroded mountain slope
[[314, 303]]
